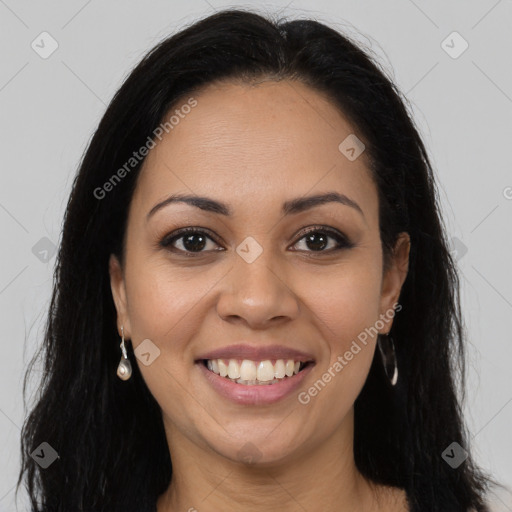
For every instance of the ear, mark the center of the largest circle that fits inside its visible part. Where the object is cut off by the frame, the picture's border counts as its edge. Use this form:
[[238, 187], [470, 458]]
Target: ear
[[117, 285], [394, 278]]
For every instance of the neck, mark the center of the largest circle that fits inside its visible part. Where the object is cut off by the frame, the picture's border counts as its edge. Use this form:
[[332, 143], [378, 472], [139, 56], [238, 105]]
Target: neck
[[323, 477]]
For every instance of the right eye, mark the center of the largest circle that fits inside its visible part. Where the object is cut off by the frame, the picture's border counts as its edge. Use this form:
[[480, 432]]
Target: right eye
[[191, 240]]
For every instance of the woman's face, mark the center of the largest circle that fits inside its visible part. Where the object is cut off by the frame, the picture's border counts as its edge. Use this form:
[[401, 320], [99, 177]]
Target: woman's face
[[250, 286]]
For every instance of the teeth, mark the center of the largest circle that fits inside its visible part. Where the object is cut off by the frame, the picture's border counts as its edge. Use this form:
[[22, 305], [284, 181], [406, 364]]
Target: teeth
[[279, 369], [265, 371], [248, 370], [223, 369], [253, 373], [233, 369]]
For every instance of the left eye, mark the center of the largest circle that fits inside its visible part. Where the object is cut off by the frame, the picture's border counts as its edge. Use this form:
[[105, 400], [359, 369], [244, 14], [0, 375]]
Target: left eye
[[317, 238]]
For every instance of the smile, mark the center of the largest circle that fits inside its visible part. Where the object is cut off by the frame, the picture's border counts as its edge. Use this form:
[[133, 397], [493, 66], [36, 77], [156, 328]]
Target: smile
[[255, 373], [253, 391]]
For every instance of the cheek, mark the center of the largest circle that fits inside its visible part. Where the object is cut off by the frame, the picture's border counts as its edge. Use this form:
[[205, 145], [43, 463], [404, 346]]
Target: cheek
[[345, 307], [162, 299], [163, 306], [346, 301], [345, 310]]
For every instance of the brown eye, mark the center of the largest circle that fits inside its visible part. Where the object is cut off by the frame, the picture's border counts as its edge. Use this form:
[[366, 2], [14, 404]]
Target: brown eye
[[317, 240], [194, 242], [188, 241]]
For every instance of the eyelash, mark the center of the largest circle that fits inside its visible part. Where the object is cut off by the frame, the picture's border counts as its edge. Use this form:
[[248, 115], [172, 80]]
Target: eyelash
[[168, 240]]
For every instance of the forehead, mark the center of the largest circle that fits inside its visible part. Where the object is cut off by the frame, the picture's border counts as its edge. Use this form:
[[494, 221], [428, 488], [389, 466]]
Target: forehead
[[243, 143]]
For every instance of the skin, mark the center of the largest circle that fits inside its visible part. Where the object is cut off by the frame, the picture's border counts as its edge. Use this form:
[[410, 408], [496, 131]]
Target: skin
[[255, 147]]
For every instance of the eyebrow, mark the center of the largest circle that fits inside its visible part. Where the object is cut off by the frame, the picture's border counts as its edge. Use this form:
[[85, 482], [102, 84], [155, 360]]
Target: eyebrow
[[291, 207]]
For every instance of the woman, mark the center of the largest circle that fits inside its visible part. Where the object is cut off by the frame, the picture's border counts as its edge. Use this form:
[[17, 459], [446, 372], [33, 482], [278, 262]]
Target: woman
[[255, 306]]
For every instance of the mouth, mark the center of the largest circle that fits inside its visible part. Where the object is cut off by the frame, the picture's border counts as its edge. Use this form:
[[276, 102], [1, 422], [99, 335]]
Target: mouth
[[255, 373], [254, 382]]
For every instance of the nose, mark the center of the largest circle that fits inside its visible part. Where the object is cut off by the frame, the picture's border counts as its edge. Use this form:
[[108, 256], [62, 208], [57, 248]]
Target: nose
[[257, 294]]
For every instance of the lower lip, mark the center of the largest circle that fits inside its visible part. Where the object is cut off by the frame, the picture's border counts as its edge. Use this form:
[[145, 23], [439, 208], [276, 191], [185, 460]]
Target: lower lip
[[257, 394]]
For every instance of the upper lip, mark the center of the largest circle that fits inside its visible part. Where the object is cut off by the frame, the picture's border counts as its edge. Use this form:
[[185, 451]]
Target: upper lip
[[258, 353]]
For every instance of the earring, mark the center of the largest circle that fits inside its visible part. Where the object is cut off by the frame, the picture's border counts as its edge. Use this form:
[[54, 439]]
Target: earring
[[124, 370], [388, 354]]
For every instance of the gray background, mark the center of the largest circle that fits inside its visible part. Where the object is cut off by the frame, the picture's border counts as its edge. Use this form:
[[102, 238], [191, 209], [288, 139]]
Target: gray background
[[463, 107]]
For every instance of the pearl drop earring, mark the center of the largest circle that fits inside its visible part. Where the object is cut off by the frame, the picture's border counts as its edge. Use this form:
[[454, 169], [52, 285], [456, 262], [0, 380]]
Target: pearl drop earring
[[124, 370]]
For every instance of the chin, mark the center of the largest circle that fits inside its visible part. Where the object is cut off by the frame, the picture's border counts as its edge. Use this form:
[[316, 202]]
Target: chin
[[258, 450]]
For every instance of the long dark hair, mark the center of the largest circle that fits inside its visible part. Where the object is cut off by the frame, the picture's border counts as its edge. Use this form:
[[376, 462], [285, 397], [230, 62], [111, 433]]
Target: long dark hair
[[109, 435]]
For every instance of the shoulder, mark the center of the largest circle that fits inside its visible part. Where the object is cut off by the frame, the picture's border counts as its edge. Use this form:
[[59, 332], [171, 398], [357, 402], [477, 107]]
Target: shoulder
[[499, 498]]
